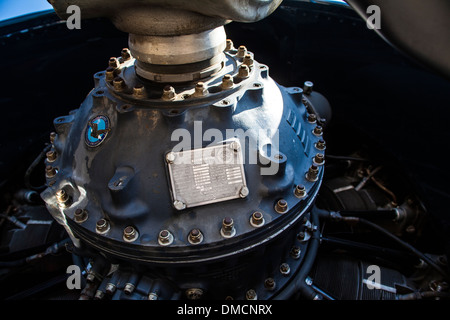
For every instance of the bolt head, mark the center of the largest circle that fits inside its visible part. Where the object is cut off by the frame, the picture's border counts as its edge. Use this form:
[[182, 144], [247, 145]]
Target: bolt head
[[244, 192], [257, 219], [130, 234], [179, 205], [251, 295], [195, 236], [102, 226], [80, 215], [165, 238], [170, 157], [308, 87], [300, 191], [281, 206]]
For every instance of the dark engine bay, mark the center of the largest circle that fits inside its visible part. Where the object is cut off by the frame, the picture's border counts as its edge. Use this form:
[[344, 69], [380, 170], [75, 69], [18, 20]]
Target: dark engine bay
[[321, 172]]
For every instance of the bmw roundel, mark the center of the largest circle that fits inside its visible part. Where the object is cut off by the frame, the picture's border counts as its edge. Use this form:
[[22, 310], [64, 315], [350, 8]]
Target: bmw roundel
[[97, 130]]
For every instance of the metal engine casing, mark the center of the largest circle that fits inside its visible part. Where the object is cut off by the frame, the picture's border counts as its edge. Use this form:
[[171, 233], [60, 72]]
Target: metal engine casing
[[123, 177]]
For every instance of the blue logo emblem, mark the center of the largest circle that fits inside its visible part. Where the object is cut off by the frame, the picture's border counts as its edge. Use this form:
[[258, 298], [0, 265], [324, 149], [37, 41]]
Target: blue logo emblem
[[97, 130]]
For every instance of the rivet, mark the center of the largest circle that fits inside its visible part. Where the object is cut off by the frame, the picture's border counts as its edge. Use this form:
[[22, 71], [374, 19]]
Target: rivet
[[195, 236], [257, 219], [281, 206], [130, 234]]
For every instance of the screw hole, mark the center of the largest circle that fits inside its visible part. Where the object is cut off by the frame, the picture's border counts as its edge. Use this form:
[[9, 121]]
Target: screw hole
[[257, 85]]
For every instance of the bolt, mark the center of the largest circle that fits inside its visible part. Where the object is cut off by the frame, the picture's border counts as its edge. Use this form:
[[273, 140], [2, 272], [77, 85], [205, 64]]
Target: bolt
[[102, 226], [300, 191], [52, 137], [130, 234], [194, 293], [51, 156], [90, 276], [308, 87], [281, 206], [248, 60], [109, 74], [242, 51], [318, 130], [319, 159], [295, 252], [168, 93], [110, 288], [312, 118], [269, 284], [312, 173], [244, 192], [229, 45], [170, 157], [195, 236], [251, 295], [243, 71], [113, 62], [125, 54], [152, 296], [119, 84], [227, 82], [99, 295], [50, 171], [139, 91], [62, 197], [165, 238], [80, 215], [285, 269], [235, 146], [301, 236], [227, 229], [179, 205], [200, 90], [129, 288], [257, 219], [320, 145]]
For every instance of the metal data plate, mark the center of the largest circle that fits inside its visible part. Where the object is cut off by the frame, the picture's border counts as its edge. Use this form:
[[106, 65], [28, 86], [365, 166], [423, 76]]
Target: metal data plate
[[207, 175]]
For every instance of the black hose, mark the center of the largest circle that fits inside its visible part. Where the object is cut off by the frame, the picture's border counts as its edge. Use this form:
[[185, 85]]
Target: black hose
[[424, 295], [298, 284], [354, 220], [32, 166], [391, 214]]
